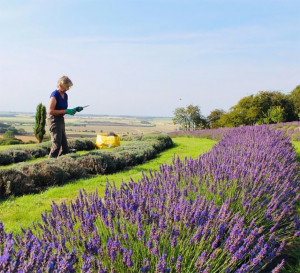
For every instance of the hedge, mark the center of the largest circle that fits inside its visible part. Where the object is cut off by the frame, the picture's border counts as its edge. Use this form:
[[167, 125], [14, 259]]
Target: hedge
[[21, 154], [33, 177]]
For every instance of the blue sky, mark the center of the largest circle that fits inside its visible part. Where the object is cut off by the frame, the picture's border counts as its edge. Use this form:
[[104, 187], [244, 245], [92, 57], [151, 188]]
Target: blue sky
[[147, 57]]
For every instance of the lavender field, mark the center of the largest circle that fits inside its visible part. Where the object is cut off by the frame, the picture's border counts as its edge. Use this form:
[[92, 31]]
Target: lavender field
[[230, 210], [291, 129]]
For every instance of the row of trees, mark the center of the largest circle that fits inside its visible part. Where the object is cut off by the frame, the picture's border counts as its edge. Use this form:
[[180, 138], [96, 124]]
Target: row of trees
[[263, 108], [5, 127]]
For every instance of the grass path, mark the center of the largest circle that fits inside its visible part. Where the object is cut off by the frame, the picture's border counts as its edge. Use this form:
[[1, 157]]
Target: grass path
[[24, 210]]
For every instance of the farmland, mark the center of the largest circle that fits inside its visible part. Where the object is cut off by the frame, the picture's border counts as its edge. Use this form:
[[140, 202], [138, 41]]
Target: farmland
[[90, 126], [32, 205], [246, 187]]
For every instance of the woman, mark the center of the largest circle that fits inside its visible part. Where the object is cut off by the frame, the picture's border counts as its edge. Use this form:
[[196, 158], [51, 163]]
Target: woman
[[57, 109]]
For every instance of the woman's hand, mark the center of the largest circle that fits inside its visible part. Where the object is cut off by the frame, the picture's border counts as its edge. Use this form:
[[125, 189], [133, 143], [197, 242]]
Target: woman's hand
[[70, 111]]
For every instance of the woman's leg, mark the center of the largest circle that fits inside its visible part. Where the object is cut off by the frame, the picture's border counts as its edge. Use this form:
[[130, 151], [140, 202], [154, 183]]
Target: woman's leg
[[55, 128], [64, 143]]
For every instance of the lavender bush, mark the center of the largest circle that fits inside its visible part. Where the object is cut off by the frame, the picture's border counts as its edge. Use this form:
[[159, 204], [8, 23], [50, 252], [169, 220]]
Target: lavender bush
[[230, 210], [49, 172], [215, 134], [291, 129], [22, 154]]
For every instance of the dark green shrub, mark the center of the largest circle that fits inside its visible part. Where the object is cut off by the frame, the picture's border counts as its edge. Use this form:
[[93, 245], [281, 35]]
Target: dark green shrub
[[81, 144], [117, 158], [13, 182], [76, 144], [90, 144], [132, 145], [19, 155], [32, 172], [71, 168], [131, 138], [45, 145], [30, 142], [131, 157], [12, 142], [158, 145], [3, 185], [71, 155], [164, 140], [44, 174], [139, 152], [36, 152], [149, 152], [9, 134], [6, 158], [52, 174], [97, 163]]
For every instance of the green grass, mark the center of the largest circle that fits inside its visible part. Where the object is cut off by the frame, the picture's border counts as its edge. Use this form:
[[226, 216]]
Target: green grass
[[24, 210]]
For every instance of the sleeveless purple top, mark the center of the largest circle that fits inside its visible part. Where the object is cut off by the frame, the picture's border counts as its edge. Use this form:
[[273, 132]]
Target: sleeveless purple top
[[61, 104]]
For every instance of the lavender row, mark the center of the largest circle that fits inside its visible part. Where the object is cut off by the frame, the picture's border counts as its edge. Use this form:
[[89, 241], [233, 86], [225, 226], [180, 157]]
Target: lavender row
[[230, 210], [291, 129], [215, 134]]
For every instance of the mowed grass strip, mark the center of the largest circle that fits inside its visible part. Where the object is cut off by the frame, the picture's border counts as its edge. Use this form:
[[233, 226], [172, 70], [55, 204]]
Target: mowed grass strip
[[23, 211]]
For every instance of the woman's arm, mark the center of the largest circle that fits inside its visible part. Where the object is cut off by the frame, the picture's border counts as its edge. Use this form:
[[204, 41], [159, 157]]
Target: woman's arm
[[52, 110]]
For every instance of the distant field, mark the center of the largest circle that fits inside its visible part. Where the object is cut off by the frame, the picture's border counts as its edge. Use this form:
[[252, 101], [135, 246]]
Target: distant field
[[119, 125], [90, 126]]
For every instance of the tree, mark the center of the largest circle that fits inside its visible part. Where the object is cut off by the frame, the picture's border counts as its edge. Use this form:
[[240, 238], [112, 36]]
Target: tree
[[264, 107], [214, 117], [180, 117], [276, 114], [8, 138], [21, 131], [194, 114], [294, 97], [40, 122], [265, 100], [189, 118], [8, 135], [3, 127]]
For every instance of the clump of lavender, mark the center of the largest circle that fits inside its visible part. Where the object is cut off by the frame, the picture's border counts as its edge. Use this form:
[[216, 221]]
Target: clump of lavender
[[230, 210], [215, 134]]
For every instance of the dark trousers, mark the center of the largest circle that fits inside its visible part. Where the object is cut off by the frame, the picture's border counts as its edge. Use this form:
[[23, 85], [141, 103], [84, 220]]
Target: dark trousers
[[58, 136]]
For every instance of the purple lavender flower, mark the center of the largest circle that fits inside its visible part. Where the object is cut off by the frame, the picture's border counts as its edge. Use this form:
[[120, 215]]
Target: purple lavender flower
[[178, 264], [278, 268]]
